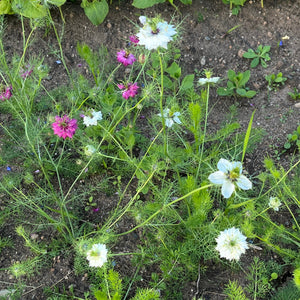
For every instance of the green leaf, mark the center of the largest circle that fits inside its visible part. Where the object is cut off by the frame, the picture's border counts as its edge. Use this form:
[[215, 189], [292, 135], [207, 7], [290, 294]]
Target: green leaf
[[224, 92], [56, 2], [29, 9], [250, 94], [250, 54], [245, 78], [241, 92], [265, 49], [146, 3], [186, 1], [174, 70], [263, 63], [5, 7], [187, 82], [254, 62], [231, 75], [168, 83], [96, 10]]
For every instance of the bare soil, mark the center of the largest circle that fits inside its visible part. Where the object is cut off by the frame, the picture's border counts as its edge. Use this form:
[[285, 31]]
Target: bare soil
[[204, 44]]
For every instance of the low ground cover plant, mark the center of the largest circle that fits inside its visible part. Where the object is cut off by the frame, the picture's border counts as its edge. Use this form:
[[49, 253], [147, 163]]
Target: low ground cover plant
[[142, 136]]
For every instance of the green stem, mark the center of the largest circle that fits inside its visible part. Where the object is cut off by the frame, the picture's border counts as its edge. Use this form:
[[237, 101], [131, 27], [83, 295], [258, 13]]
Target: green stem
[[165, 206], [204, 131]]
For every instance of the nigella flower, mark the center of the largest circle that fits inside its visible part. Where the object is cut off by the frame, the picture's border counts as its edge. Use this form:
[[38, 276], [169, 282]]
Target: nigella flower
[[96, 116], [125, 58], [134, 39], [64, 127], [130, 90], [231, 244], [170, 117], [97, 256], [25, 74], [155, 33], [274, 203], [229, 175], [204, 81], [6, 93], [208, 79]]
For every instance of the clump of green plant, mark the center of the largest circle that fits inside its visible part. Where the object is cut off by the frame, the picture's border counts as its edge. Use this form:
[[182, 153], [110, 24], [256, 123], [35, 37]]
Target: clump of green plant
[[146, 3], [236, 85], [294, 95], [259, 279], [261, 56], [274, 81], [235, 5], [293, 139], [234, 291], [290, 291]]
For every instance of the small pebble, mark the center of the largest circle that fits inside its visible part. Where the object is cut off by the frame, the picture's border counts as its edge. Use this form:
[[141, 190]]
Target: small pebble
[[297, 105]]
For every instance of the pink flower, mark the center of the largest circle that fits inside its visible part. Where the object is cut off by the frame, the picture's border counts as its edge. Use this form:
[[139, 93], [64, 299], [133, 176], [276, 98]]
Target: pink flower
[[125, 58], [64, 126], [130, 90], [134, 39], [6, 94], [27, 73]]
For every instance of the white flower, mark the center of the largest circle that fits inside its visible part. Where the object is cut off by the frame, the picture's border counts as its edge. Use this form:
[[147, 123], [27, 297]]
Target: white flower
[[96, 116], [231, 244], [229, 175], [170, 117], [97, 256], [274, 203], [203, 81], [89, 150], [155, 34]]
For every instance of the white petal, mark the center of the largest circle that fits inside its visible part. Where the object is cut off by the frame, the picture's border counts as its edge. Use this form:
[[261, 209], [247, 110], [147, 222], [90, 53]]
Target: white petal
[[217, 177], [214, 79], [177, 120], [237, 164], [224, 165], [244, 183], [202, 81], [169, 122], [227, 189], [143, 19]]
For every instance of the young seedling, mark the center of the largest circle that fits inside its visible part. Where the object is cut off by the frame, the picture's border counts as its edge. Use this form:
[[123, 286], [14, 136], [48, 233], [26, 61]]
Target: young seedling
[[295, 95], [259, 56], [235, 5], [236, 85], [274, 81]]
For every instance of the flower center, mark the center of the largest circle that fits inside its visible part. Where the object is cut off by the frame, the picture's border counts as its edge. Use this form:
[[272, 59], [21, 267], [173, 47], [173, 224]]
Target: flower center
[[234, 174], [232, 243], [155, 30]]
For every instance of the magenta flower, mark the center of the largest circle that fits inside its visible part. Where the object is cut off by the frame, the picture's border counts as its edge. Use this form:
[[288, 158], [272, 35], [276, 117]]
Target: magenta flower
[[6, 94], [134, 39], [64, 126], [130, 90], [26, 73], [125, 58]]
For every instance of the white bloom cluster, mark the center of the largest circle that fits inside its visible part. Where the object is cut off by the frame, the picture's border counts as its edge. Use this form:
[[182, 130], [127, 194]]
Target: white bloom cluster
[[231, 244], [96, 116], [152, 38], [170, 118], [229, 175], [274, 203], [97, 256]]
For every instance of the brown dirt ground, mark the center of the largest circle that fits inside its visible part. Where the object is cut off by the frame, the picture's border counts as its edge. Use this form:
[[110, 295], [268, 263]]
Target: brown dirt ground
[[203, 45]]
